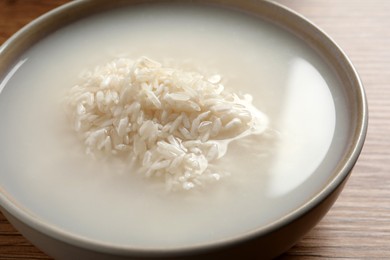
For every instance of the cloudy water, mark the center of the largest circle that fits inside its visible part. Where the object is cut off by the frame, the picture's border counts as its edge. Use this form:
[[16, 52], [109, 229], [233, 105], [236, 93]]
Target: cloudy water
[[44, 167]]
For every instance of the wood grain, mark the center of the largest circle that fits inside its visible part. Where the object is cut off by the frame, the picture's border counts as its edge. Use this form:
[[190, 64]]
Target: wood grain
[[358, 225]]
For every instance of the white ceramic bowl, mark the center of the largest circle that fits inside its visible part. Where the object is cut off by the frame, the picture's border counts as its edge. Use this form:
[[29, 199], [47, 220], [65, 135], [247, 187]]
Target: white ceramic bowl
[[265, 241]]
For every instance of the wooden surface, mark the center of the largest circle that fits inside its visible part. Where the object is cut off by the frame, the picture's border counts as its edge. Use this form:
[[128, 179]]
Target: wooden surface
[[358, 225]]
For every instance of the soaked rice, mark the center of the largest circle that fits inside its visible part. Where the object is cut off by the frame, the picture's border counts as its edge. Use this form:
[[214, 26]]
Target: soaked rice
[[174, 124]]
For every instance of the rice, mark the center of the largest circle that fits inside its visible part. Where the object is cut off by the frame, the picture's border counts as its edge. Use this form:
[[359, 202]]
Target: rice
[[174, 124]]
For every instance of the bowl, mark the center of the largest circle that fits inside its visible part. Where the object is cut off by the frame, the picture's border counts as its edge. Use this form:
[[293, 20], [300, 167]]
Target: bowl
[[67, 217]]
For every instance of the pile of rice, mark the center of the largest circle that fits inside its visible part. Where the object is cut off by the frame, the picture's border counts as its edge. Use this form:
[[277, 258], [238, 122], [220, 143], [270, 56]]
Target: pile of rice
[[174, 124]]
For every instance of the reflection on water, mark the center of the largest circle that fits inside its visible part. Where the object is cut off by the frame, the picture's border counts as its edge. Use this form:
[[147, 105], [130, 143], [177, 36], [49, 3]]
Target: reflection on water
[[11, 73], [306, 125]]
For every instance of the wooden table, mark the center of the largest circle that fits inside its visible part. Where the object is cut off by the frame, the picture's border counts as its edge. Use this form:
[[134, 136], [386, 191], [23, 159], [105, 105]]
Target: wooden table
[[358, 225]]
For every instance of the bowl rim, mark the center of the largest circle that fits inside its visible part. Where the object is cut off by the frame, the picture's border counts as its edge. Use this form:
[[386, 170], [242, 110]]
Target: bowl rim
[[307, 28]]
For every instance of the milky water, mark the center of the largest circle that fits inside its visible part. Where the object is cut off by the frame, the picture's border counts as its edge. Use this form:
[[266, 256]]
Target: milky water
[[42, 164]]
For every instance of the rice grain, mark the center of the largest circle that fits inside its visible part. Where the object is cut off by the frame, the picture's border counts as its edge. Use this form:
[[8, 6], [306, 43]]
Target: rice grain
[[169, 122]]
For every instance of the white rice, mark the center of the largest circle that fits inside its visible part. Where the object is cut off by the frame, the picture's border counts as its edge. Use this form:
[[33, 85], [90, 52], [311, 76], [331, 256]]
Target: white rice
[[173, 123]]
